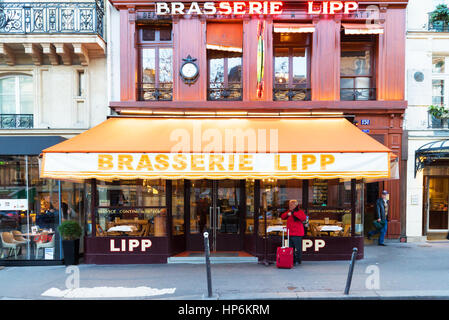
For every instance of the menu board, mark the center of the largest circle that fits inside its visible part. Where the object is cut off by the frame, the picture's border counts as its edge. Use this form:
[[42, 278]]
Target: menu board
[[319, 193]]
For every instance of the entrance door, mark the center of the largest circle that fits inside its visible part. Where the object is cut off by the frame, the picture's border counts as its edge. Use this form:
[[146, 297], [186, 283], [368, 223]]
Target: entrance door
[[216, 207], [438, 191]]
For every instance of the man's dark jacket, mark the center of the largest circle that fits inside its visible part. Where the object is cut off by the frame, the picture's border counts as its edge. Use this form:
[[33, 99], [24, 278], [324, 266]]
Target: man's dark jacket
[[380, 209]]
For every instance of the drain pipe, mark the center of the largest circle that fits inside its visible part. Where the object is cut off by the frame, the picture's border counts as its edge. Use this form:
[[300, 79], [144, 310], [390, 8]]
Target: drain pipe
[[207, 255]]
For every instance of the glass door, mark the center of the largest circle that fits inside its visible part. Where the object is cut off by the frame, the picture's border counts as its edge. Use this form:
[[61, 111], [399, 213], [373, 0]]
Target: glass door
[[438, 204], [215, 207]]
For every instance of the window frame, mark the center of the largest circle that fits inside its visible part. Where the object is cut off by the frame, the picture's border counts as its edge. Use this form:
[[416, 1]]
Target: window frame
[[225, 77], [17, 91], [362, 46], [291, 47], [157, 45]]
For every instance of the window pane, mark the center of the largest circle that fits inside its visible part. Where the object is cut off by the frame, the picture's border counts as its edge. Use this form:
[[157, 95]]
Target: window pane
[[346, 83], [438, 64], [148, 35], [300, 67], [362, 83], [235, 70], [165, 34], [438, 92], [165, 65], [7, 95], [355, 63], [281, 68], [26, 95], [216, 72], [148, 65]]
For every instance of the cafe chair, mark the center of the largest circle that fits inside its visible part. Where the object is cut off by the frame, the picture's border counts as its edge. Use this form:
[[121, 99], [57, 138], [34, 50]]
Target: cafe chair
[[347, 230], [18, 236], [8, 242], [43, 245]]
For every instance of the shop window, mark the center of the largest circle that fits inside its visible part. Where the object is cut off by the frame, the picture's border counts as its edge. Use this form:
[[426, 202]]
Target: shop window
[[438, 204], [156, 63], [274, 198], [133, 208], [224, 60], [250, 207], [291, 66], [357, 68], [31, 210], [329, 208], [16, 102], [178, 207]]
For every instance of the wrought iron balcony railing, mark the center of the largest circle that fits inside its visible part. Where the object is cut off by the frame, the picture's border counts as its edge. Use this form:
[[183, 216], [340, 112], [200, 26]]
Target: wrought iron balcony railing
[[16, 121], [147, 92], [290, 94], [224, 94], [437, 123], [357, 94], [52, 17]]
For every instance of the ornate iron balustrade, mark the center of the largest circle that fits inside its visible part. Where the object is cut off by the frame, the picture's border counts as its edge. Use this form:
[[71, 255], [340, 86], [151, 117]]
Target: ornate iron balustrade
[[226, 94], [16, 121], [147, 92], [52, 17], [357, 94], [291, 94]]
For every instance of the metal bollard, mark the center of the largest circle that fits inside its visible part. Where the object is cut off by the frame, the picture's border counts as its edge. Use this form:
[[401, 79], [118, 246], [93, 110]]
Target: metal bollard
[[351, 270], [207, 255]]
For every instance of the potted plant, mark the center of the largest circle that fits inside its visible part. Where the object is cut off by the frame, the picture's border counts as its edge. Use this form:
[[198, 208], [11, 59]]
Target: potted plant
[[70, 232], [439, 18], [439, 115]]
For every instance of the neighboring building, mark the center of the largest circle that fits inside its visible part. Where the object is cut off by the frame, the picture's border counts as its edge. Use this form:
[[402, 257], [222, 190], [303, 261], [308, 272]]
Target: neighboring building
[[53, 86], [427, 84], [175, 75]]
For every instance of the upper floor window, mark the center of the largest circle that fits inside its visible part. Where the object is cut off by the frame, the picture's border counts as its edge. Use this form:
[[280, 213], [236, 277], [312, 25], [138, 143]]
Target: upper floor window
[[357, 67], [291, 66], [224, 60], [156, 63], [16, 101], [440, 78]]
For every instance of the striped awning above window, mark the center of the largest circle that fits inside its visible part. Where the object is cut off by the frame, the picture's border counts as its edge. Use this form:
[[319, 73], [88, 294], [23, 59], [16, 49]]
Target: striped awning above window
[[224, 36], [358, 28], [293, 28]]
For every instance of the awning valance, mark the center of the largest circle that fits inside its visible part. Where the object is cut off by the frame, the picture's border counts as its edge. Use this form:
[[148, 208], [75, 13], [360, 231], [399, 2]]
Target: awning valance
[[358, 28], [224, 36], [293, 28], [130, 148]]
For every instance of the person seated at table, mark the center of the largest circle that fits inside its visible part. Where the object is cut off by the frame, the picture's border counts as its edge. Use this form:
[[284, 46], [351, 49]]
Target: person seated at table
[[295, 217]]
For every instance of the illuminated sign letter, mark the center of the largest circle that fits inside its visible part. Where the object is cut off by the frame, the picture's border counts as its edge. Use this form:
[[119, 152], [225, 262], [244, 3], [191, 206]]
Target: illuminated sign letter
[[162, 8]]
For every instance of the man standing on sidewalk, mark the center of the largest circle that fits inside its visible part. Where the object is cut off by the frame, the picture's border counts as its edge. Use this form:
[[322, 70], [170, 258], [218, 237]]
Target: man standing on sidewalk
[[382, 206], [295, 218]]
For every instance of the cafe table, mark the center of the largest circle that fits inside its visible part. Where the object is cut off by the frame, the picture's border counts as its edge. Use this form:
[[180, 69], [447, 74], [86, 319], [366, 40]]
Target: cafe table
[[122, 229], [329, 229]]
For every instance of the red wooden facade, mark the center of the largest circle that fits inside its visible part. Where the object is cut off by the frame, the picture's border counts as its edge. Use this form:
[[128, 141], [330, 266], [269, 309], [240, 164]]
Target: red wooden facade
[[189, 38]]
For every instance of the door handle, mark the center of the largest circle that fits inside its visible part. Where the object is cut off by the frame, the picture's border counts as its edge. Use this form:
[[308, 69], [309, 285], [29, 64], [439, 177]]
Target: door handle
[[217, 217], [210, 218]]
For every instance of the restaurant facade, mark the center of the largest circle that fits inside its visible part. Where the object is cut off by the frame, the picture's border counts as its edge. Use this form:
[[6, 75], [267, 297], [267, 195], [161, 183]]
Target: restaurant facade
[[224, 111]]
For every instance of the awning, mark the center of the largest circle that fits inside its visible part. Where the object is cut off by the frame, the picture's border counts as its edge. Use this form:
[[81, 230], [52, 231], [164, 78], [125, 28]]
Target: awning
[[27, 145], [224, 36], [358, 28], [431, 152], [178, 148], [293, 28]]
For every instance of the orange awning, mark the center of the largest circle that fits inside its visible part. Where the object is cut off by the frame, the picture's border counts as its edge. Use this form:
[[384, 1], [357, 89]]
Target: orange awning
[[358, 28], [293, 28], [224, 36], [125, 148]]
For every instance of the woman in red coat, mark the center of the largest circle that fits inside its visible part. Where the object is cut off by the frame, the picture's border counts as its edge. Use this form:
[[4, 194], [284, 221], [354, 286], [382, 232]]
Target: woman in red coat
[[295, 218]]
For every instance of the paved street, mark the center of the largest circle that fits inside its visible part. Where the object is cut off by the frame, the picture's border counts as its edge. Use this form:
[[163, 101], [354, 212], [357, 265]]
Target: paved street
[[406, 270]]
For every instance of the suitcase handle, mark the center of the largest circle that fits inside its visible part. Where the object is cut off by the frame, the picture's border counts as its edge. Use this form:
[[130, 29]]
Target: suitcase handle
[[283, 237]]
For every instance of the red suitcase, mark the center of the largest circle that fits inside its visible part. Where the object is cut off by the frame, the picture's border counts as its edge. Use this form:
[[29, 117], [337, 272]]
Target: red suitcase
[[284, 255]]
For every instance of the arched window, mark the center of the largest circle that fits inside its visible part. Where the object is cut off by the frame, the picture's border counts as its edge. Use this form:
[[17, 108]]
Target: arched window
[[16, 94]]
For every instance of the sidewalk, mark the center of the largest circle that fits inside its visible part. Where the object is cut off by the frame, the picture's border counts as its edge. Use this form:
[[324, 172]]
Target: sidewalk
[[406, 270]]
